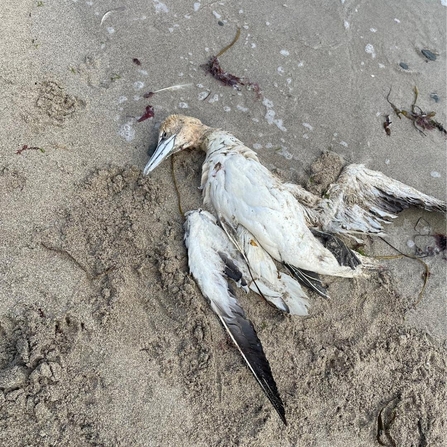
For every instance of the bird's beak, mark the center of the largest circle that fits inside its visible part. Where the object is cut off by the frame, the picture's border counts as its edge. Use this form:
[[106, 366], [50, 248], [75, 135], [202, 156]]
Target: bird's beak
[[164, 149]]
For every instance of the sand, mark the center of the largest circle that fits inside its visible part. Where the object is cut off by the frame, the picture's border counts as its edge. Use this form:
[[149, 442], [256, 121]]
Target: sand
[[105, 339]]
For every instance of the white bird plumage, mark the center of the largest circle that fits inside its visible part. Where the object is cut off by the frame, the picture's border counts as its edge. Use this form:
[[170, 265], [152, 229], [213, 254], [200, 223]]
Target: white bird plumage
[[258, 219], [213, 260], [242, 191], [263, 277]]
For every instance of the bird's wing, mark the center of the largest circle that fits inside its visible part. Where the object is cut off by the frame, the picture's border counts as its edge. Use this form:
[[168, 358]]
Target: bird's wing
[[311, 204], [278, 288], [308, 202], [244, 191], [362, 201], [208, 253]]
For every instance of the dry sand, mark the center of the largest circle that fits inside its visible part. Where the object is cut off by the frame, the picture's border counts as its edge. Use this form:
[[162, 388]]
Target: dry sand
[[105, 339]]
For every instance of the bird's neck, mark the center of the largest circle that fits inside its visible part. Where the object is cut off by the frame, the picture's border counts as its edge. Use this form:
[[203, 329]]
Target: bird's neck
[[217, 141], [203, 135]]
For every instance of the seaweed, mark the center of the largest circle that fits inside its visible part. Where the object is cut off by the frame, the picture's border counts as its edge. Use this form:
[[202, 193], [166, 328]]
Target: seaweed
[[387, 417], [148, 113], [425, 275], [217, 72], [136, 61], [384, 425], [25, 147], [421, 120], [387, 124], [428, 243], [236, 38]]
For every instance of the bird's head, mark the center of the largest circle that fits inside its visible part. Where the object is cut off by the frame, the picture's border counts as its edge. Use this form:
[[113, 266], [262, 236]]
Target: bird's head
[[177, 132]]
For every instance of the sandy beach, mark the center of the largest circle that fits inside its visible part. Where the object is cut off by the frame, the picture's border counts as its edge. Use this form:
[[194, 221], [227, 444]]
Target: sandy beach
[[105, 339]]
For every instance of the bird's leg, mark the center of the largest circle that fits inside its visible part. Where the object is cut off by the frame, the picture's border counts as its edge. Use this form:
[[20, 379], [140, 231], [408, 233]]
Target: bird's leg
[[343, 254]]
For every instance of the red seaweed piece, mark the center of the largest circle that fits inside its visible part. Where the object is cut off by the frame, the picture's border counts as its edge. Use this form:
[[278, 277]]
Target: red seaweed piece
[[149, 113], [387, 124], [25, 147], [255, 87], [213, 67], [136, 61], [217, 72], [421, 120]]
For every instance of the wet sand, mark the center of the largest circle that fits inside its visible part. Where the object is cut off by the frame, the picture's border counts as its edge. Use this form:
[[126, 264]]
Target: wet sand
[[105, 339]]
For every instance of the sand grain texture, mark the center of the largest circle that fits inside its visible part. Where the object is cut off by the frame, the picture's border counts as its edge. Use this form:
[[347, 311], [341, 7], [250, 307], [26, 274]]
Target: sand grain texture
[[105, 339]]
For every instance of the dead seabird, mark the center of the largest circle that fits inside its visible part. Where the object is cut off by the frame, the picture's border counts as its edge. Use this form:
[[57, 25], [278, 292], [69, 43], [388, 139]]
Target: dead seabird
[[283, 221]]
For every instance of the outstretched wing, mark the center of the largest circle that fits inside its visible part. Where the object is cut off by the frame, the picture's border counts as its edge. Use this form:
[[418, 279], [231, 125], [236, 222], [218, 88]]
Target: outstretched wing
[[210, 257], [362, 201]]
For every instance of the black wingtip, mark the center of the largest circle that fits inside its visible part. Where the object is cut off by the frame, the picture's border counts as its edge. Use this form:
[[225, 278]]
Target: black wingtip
[[282, 415], [278, 406], [246, 340], [309, 279], [268, 385], [272, 393]]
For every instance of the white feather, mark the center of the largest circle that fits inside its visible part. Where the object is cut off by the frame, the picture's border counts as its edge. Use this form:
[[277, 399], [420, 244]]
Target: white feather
[[246, 193], [279, 288]]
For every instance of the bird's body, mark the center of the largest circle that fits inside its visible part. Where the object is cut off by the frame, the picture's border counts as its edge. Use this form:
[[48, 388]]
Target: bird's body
[[258, 220], [241, 191]]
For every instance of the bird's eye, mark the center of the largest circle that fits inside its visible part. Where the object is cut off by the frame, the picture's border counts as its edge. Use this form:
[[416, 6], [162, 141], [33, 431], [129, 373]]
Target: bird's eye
[[163, 136]]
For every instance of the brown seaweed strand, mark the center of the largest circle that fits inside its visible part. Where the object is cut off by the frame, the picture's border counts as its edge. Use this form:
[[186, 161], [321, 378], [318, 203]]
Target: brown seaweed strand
[[176, 187], [236, 38], [426, 272]]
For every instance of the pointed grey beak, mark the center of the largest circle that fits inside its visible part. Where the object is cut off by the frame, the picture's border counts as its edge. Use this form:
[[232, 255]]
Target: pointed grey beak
[[164, 149]]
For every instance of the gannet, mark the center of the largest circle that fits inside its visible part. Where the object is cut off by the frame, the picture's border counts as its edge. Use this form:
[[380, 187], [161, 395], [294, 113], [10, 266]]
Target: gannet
[[285, 219], [258, 219]]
